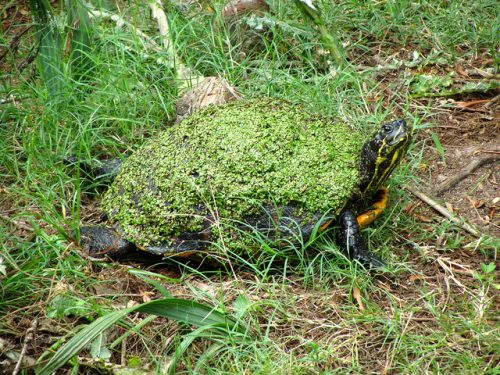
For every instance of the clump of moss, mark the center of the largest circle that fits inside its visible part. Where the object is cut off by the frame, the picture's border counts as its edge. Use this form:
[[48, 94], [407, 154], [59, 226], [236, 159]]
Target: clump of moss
[[227, 162]]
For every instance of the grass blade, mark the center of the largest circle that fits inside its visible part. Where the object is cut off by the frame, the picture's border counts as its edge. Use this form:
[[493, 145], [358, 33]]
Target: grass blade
[[186, 311], [50, 55], [81, 62]]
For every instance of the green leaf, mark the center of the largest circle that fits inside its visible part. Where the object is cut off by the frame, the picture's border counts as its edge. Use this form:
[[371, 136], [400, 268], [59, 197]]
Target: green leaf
[[241, 305], [423, 84], [80, 58], [81, 340], [134, 361], [488, 268], [439, 146], [51, 48], [186, 311], [66, 304], [144, 276], [3, 269], [311, 11], [98, 348], [186, 343]]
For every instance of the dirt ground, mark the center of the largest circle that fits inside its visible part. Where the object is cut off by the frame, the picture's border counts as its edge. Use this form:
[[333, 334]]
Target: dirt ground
[[467, 136], [468, 129]]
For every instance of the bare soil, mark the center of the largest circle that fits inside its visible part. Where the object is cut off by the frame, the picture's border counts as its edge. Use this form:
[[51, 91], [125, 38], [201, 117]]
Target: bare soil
[[466, 135]]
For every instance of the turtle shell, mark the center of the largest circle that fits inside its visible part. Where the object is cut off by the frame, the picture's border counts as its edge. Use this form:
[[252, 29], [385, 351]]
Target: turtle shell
[[269, 165]]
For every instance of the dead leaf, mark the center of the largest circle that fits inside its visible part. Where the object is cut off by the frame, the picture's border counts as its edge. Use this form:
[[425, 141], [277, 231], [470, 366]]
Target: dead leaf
[[476, 203], [131, 303], [210, 91], [416, 277], [449, 206], [472, 103], [440, 240], [409, 208], [146, 296], [239, 7], [461, 71], [492, 179], [384, 285], [423, 218], [356, 293]]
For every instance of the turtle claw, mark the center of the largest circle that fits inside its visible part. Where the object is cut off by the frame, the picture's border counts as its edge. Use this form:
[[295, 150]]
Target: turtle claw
[[354, 244], [370, 260]]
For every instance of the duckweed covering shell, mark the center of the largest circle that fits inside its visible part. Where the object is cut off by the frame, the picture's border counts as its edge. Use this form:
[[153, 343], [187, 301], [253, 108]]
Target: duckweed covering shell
[[227, 162]]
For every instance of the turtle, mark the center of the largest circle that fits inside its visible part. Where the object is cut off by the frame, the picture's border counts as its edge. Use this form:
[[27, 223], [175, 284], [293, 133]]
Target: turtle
[[265, 167]]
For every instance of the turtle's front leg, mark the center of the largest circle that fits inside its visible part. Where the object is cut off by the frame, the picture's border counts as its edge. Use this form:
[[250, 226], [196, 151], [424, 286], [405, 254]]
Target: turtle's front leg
[[353, 242]]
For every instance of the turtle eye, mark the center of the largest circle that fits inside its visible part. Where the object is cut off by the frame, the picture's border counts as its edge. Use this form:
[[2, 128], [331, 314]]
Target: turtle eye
[[387, 128]]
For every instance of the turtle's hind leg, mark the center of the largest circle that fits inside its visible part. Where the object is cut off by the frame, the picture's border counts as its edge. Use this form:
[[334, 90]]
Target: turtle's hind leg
[[102, 241]]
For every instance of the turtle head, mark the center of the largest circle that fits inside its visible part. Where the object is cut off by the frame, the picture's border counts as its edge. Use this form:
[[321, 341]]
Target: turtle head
[[382, 153]]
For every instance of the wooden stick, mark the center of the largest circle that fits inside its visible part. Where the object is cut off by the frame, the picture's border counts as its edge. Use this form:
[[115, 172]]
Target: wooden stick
[[14, 42], [27, 339], [443, 211], [161, 19], [452, 181]]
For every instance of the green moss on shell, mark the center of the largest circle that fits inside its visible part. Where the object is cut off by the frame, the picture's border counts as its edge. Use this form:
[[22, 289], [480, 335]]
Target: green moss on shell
[[227, 162]]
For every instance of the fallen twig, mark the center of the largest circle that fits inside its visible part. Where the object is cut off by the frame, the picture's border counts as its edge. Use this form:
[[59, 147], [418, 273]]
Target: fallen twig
[[10, 99], [472, 103], [27, 339], [123, 353], [161, 19], [493, 101], [184, 73], [443, 211], [486, 72], [452, 181], [28, 60], [16, 223], [449, 271], [14, 42]]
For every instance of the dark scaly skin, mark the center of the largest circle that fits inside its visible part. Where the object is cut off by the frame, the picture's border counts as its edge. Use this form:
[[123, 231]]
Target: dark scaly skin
[[100, 241], [104, 171], [352, 241]]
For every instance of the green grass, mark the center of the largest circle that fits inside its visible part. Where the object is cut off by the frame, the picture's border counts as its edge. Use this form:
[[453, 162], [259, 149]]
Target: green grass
[[299, 311]]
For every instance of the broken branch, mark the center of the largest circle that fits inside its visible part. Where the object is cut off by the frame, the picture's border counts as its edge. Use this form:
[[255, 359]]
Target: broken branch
[[27, 339], [452, 181], [443, 211]]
